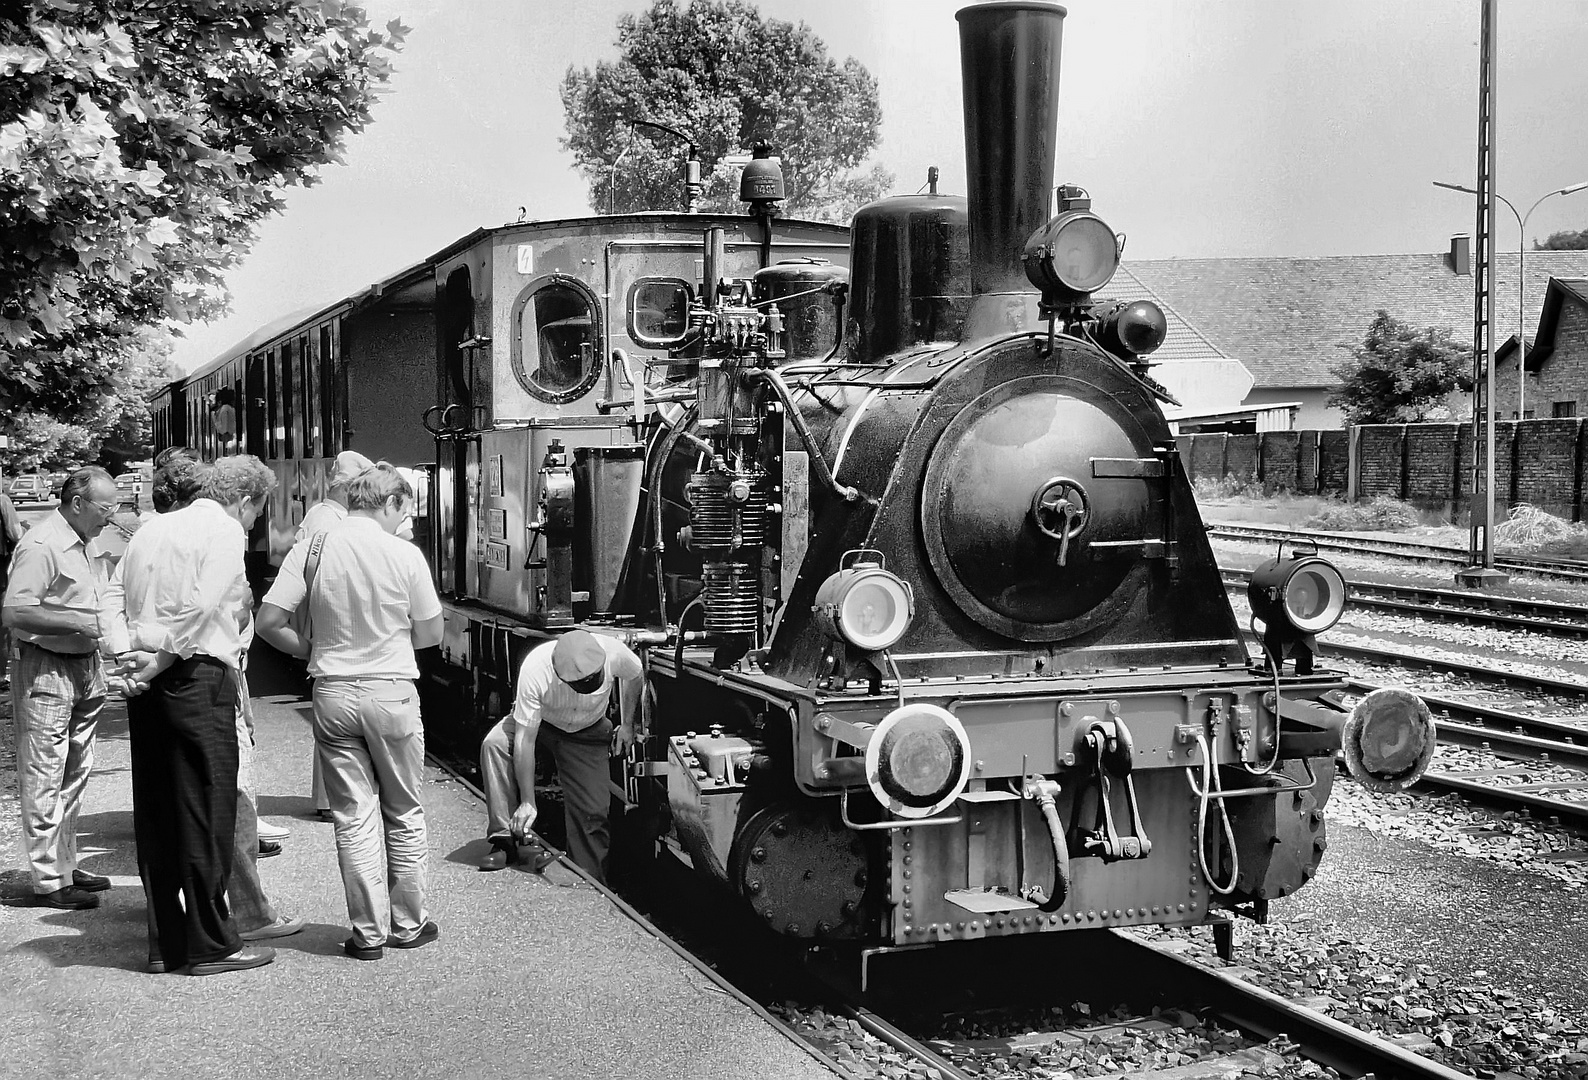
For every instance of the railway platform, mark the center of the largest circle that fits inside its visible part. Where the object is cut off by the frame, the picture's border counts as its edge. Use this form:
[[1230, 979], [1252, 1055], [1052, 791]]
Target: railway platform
[[531, 977]]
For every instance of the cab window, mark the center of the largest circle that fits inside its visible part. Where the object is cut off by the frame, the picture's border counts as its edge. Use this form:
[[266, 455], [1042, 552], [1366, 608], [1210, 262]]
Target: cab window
[[658, 312], [556, 339]]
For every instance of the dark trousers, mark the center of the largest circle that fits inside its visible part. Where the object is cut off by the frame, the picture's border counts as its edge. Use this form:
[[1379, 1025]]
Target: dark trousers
[[184, 807]]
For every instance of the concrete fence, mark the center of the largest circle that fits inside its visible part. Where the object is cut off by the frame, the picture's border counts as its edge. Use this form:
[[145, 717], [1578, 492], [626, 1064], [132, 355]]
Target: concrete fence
[[1539, 462]]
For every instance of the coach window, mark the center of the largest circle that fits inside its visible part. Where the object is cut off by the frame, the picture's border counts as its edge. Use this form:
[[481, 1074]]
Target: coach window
[[272, 407], [289, 390], [556, 339]]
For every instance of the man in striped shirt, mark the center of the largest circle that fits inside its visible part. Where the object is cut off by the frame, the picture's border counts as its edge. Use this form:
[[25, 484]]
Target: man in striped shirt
[[565, 692]]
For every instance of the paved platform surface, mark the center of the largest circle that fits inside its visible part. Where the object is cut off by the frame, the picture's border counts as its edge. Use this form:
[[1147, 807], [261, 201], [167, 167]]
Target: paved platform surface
[[530, 978]]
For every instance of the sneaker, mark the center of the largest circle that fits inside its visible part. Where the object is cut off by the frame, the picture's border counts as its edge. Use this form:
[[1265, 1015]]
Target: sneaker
[[282, 927], [427, 933], [72, 898], [273, 832], [268, 848]]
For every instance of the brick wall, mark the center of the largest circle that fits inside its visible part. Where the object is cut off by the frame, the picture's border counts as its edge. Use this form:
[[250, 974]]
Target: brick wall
[[1307, 461], [1379, 463], [1543, 463], [1277, 459], [1183, 444], [1240, 458], [1546, 451], [1334, 460], [1207, 456], [1504, 464], [1431, 463]]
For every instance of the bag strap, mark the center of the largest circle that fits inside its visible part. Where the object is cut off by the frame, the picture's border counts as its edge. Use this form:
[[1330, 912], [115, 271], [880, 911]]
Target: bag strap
[[311, 566]]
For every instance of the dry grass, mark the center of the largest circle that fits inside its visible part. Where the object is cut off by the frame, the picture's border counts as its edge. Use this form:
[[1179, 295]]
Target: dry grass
[[1530, 529], [1380, 514]]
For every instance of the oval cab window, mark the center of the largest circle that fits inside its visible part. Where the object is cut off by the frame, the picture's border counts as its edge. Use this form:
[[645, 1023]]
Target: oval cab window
[[556, 340]]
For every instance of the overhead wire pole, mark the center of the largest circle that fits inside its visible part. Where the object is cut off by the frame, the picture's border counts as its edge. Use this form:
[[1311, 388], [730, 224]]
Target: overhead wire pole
[[1481, 572]]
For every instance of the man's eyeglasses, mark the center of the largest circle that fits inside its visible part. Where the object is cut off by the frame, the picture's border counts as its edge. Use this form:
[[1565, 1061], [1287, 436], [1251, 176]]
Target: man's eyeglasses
[[589, 684], [108, 509]]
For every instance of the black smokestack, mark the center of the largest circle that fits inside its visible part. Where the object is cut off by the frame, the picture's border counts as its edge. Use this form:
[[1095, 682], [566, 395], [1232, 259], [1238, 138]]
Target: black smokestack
[[1009, 60]]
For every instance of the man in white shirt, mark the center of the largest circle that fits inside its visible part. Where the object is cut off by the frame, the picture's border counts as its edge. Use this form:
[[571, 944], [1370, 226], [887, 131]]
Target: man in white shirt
[[53, 605], [187, 604], [371, 604], [317, 519], [565, 691], [333, 508]]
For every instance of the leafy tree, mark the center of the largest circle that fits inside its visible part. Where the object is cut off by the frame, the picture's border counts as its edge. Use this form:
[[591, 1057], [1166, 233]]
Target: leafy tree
[[109, 421], [1399, 375], [141, 143], [1566, 240], [717, 71]]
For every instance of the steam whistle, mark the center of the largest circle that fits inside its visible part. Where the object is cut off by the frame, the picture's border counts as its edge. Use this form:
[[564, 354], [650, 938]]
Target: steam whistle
[[1108, 751], [555, 527]]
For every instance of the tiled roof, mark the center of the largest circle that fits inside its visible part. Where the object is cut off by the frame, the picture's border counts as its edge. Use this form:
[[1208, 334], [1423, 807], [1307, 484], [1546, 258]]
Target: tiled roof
[[1287, 319], [1183, 340]]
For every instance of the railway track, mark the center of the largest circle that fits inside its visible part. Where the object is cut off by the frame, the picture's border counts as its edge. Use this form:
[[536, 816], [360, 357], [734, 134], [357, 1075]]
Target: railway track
[[1452, 605], [1537, 565], [1164, 985], [1139, 966]]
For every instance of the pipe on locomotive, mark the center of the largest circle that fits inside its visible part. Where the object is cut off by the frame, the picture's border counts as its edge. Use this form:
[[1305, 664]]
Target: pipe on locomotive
[[1009, 64]]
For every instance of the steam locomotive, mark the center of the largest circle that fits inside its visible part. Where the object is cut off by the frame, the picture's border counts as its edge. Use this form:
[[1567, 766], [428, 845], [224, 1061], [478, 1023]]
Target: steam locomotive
[[936, 645]]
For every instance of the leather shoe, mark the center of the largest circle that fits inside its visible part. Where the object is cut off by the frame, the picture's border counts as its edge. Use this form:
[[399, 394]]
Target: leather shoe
[[268, 848], [72, 897], [90, 882], [269, 830], [282, 927], [160, 967], [427, 933], [501, 854], [362, 952], [241, 960]]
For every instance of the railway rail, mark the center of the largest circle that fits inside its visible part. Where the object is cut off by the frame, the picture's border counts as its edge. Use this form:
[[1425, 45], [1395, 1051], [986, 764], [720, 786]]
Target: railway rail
[[1537, 565], [1453, 605], [1218, 994]]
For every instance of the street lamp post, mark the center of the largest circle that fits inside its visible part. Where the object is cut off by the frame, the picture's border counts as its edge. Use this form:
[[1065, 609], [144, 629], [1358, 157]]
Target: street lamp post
[[1521, 280]]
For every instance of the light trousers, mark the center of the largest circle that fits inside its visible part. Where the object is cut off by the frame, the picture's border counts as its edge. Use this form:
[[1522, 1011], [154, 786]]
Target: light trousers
[[371, 745], [55, 704]]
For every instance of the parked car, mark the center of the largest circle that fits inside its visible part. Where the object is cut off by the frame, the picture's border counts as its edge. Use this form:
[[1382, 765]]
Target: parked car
[[30, 487]]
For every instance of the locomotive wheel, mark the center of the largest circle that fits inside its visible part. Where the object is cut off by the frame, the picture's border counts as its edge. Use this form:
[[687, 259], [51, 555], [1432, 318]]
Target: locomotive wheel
[[801, 871]]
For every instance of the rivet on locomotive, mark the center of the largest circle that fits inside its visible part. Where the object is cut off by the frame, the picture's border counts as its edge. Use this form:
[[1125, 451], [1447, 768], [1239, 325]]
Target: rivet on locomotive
[[937, 644]]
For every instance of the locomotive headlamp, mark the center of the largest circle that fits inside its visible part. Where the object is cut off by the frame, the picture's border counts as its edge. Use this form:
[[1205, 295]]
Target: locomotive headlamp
[[864, 605], [1071, 256], [918, 760], [1297, 597]]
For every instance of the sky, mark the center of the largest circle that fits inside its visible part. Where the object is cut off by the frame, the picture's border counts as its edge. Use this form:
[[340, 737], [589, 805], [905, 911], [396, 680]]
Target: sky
[[1201, 128]]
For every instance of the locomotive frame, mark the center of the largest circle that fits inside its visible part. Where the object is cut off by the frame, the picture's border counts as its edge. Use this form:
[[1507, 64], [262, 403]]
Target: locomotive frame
[[963, 665]]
